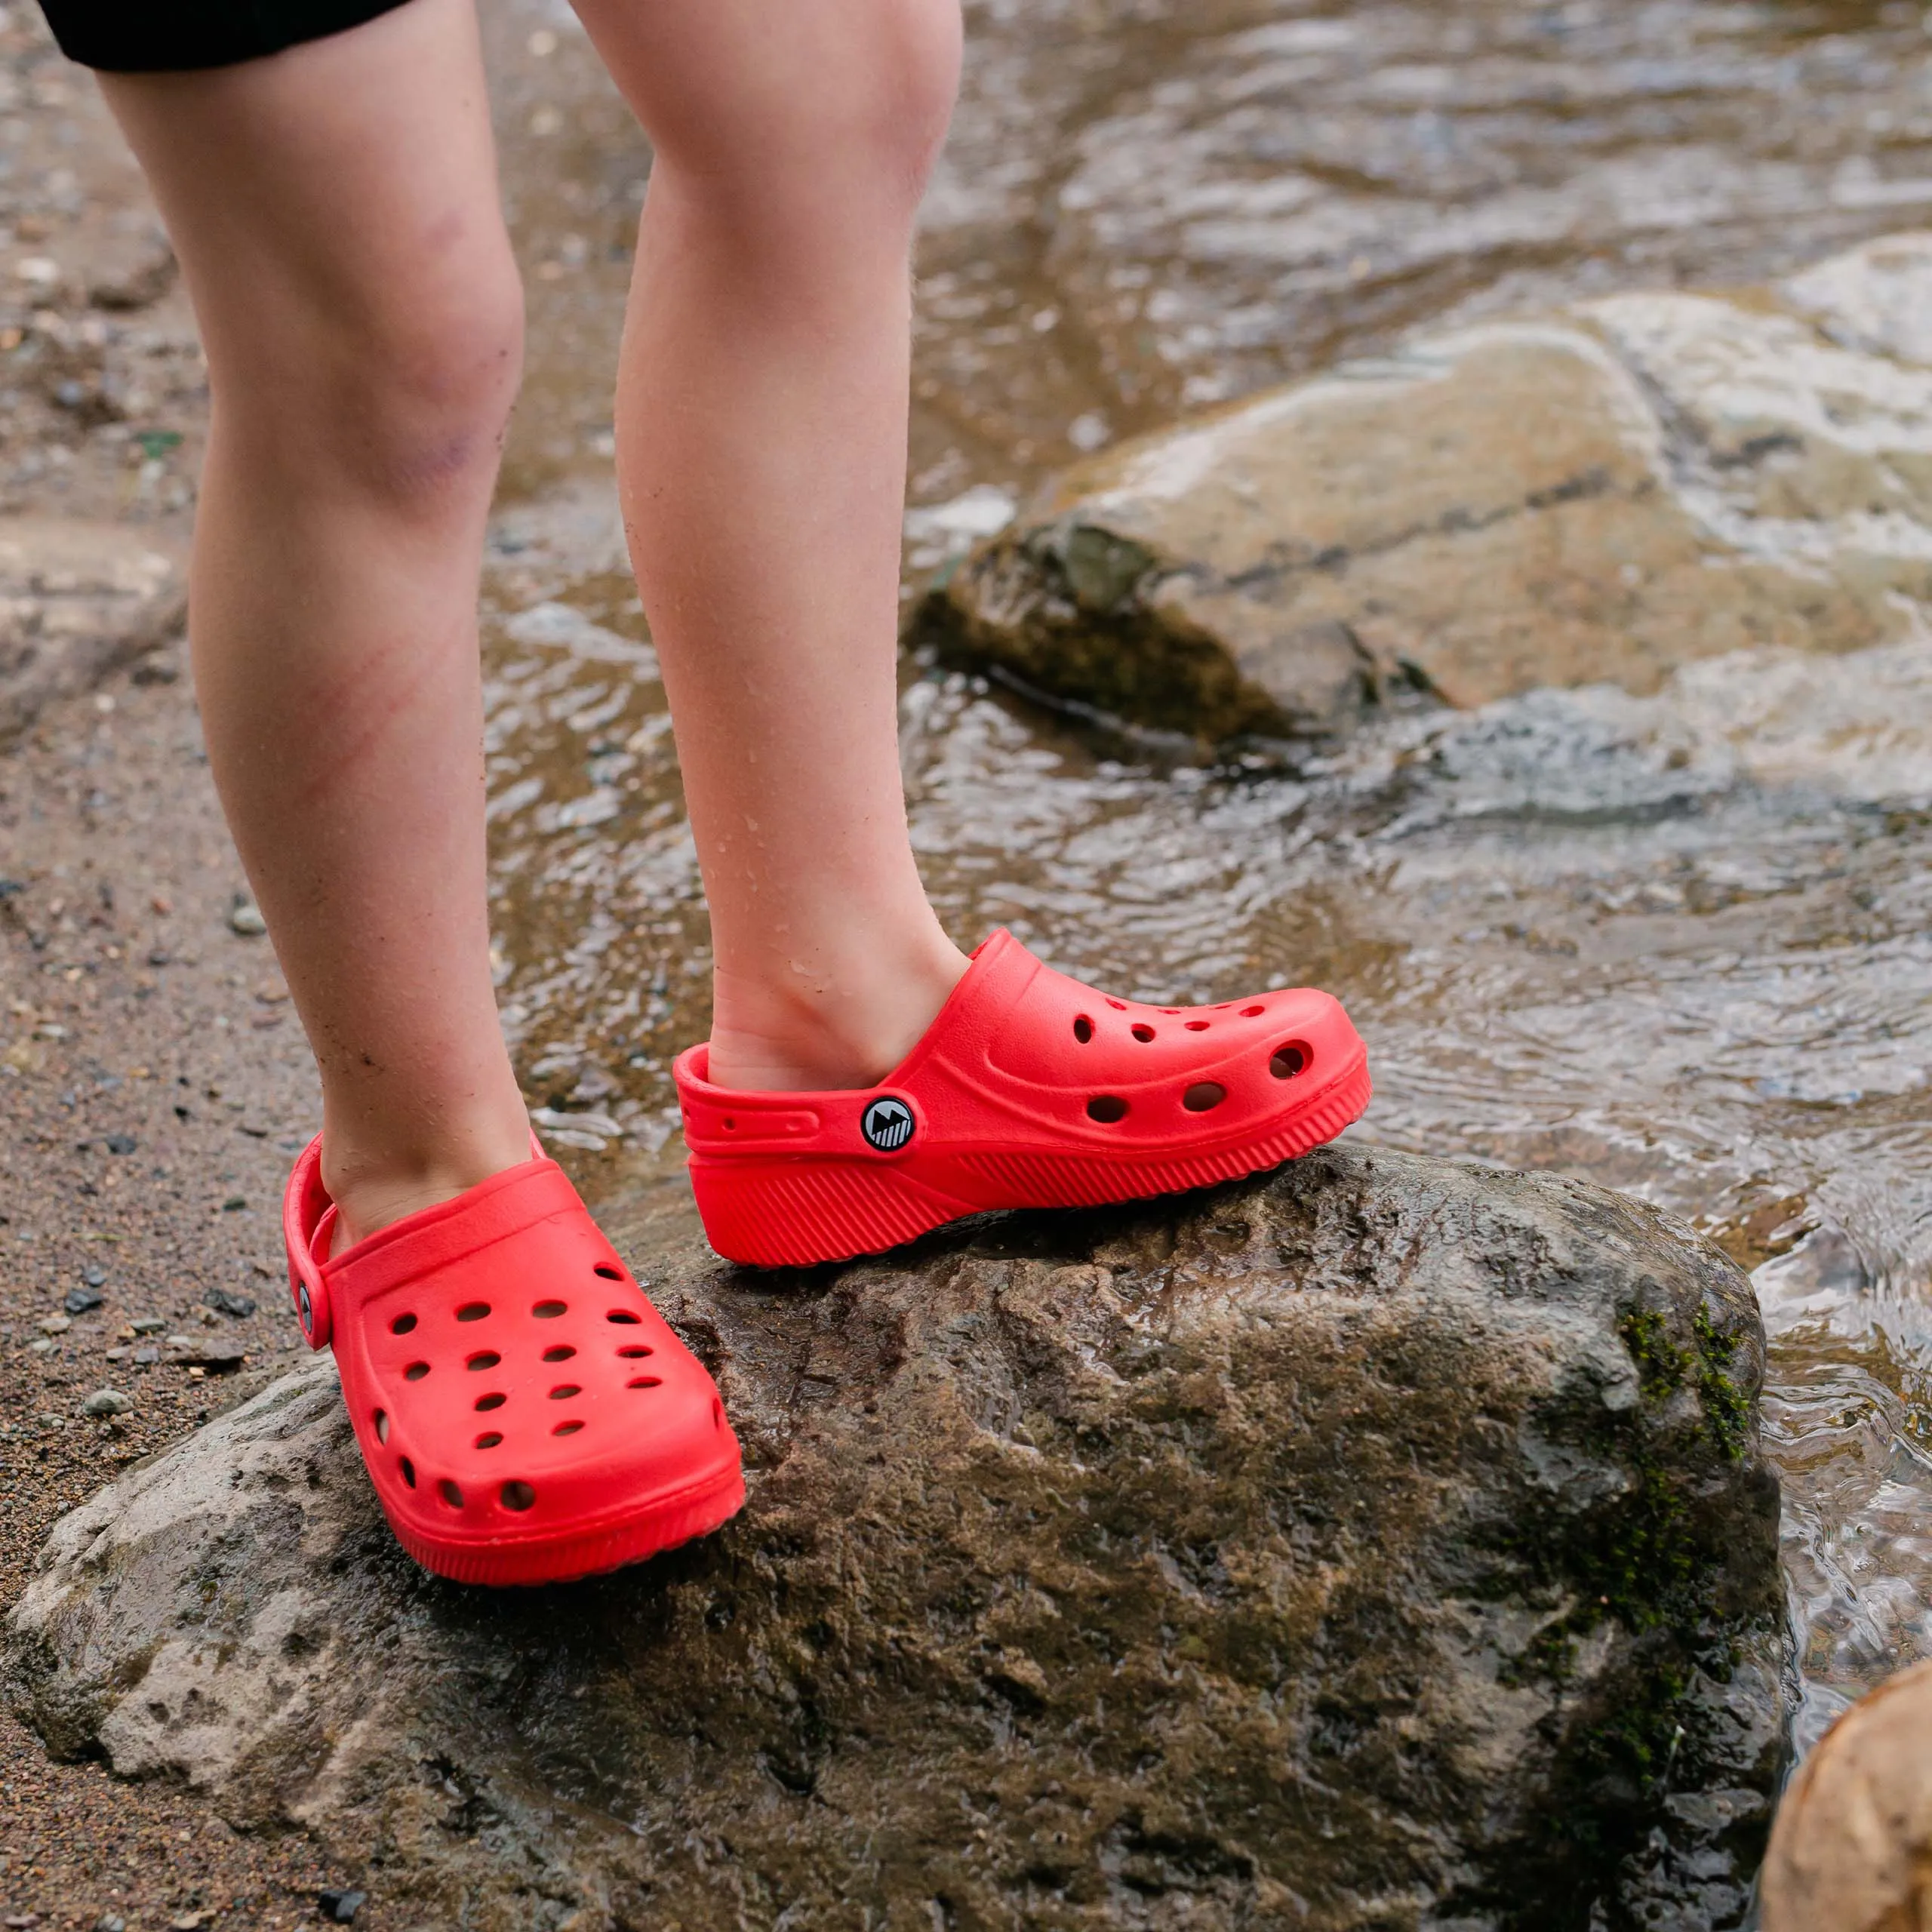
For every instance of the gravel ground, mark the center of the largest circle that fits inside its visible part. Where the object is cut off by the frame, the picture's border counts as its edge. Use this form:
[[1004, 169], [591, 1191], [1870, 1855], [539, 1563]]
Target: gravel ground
[[153, 1084]]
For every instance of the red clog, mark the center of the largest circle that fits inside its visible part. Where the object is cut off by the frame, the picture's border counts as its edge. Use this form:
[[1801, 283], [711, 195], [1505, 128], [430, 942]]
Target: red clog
[[526, 1415], [1029, 1091]]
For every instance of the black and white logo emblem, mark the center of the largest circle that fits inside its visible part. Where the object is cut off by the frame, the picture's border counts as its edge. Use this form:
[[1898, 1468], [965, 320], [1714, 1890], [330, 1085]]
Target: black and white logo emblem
[[887, 1124]]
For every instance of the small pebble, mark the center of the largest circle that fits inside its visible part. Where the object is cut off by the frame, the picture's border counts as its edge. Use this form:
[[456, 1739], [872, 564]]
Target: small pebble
[[233, 1202], [340, 1906], [148, 1324], [107, 1402], [245, 917], [54, 1324], [223, 1302], [44, 1347], [146, 1357], [79, 1301], [121, 1143], [94, 1275]]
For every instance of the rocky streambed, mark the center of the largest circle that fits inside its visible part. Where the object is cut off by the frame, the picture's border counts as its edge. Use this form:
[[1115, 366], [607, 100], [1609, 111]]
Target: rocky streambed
[[1385, 1542]]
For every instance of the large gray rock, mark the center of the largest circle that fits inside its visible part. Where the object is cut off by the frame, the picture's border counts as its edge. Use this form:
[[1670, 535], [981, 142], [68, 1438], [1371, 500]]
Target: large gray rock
[[77, 600], [1605, 495], [1382, 1543]]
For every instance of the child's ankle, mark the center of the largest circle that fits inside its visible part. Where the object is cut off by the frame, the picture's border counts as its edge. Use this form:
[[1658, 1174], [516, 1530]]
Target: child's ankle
[[373, 1187], [849, 1034]]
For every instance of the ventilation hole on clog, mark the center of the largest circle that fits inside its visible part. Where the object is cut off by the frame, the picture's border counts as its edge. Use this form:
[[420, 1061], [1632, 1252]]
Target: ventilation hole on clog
[[494, 1400], [1202, 1095], [730, 1125], [402, 1324], [489, 1439], [1199, 1025], [565, 1391], [1287, 1062], [548, 1311], [416, 1371], [1141, 1031], [1083, 1030], [1253, 1012], [645, 1382], [1106, 1108], [562, 1352], [382, 1425], [450, 1493], [408, 1469], [623, 1315], [609, 1273], [1118, 1005], [635, 1349], [517, 1495], [567, 1429], [488, 1358], [472, 1311], [1172, 1012]]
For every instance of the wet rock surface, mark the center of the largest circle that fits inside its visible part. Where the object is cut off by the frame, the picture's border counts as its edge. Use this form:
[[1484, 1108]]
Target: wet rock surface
[[77, 600], [1384, 1543], [1607, 495]]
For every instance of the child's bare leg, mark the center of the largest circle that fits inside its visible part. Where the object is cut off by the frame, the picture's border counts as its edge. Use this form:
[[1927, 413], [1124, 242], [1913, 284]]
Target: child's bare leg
[[336, 212], [761, 449]]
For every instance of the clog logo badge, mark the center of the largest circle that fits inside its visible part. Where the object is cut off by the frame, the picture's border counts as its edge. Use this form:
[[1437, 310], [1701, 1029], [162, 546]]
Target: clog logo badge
[[887, 1124]]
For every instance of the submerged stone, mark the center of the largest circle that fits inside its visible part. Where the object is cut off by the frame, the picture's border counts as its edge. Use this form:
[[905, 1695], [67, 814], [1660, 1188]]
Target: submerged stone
[[1382, 1543], [1852, 1851], [1605, 495]]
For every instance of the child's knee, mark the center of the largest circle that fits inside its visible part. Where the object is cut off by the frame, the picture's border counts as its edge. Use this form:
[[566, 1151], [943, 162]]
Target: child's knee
[[397, 391], [912, 89], [424, 414], [851, 101]]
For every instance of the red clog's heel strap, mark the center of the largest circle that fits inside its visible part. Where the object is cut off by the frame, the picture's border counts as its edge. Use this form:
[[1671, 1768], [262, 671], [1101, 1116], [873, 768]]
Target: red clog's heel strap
[[306, 1208]]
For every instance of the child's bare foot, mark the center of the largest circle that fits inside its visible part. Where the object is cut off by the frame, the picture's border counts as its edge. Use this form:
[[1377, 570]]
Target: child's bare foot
[[841, 1024]]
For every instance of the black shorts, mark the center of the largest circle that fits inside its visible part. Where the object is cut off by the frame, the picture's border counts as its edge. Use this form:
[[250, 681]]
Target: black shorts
[[171, 36]]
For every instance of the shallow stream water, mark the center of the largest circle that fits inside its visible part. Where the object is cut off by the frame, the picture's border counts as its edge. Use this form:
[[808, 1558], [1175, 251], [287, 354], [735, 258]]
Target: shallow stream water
[[1681, 945]]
